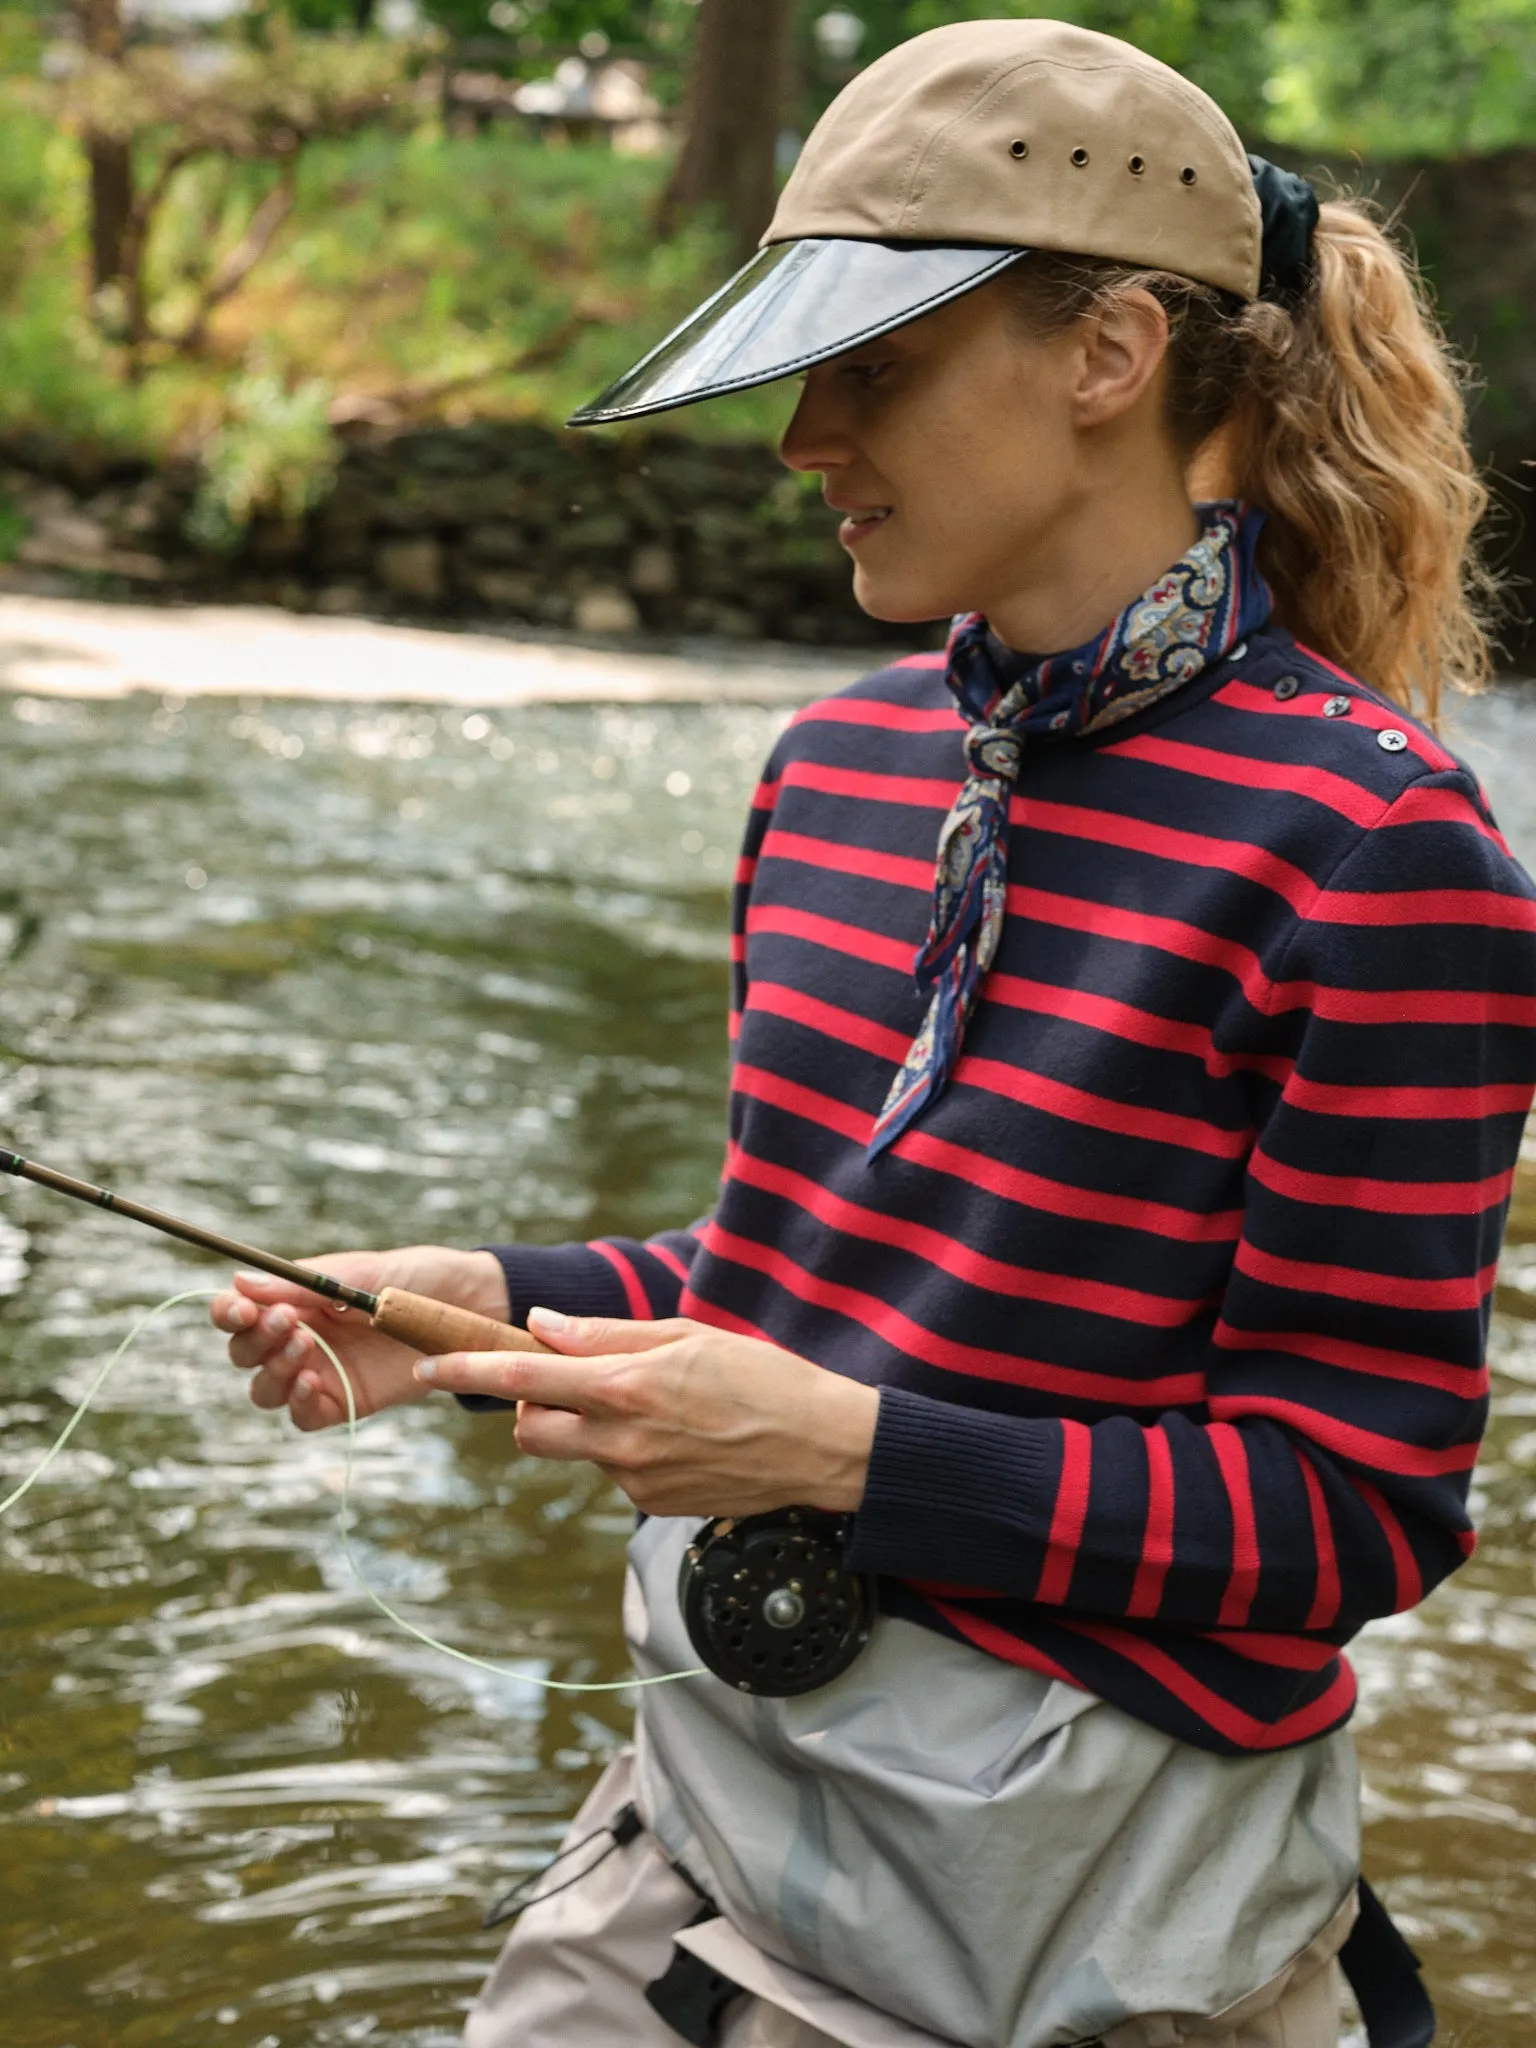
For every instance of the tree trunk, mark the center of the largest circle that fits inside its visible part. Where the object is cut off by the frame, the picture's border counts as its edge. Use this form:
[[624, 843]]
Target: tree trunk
[[110, 158], [735, 105]]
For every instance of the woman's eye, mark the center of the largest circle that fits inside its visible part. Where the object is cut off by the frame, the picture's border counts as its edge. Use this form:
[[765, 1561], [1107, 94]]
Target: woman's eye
[[866, 375]]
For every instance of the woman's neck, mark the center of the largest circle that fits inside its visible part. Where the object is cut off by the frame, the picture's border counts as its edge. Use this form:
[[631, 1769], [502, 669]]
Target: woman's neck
[[1099, 558]]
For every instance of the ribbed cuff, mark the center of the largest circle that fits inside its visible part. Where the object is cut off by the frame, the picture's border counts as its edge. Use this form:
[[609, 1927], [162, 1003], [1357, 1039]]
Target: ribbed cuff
[[956, 1494], [570, 1277]]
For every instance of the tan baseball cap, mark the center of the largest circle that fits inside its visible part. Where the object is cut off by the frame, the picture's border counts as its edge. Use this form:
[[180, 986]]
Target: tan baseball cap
[[946, 161]]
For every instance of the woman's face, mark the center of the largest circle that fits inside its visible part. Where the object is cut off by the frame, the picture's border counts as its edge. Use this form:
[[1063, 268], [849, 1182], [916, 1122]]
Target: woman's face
[[958, 450]]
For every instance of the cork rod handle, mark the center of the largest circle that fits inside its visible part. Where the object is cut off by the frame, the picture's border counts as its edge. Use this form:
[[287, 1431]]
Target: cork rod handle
[[433, 1327]]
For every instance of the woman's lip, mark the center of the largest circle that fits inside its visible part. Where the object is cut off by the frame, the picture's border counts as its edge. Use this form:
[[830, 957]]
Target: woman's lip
[[858, 526]]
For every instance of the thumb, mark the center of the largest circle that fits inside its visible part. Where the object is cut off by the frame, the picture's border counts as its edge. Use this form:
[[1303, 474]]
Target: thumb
[[593, 1336]]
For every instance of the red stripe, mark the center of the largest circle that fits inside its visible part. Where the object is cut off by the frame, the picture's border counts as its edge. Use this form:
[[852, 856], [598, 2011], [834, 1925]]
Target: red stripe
[[1321, 785], [876, 711], [635, 1294], [701, 1311], [1008, 1649], [1381, 1197], [669, 1259], [845, 1026], [933, 661], [1059, 1198], [1360, 1446], [1242, 1729], [960, 1261], [1076, 1105], [1164, 935], [1462, 1382], [1285, 1653], [1329, 1595], [1419, 805], [1124, 1020], [896, 868], [1157, 1538], [1405, 1566], [1475, 1008], [836, 936], [1493, 1098], [897, 1329], [1353, 1283], [1238, 857], [1369, 710], [809, 1103], [1068, 1514], [1232, 1456], [1489, 909], [869, 785], [979, 1169]]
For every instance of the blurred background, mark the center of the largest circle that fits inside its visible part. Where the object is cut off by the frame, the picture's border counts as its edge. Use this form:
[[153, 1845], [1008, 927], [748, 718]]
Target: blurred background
[[294, 294], [328, 927]]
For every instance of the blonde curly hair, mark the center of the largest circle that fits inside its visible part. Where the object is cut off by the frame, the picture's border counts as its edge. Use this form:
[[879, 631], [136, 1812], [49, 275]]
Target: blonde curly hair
[[1343, 415]]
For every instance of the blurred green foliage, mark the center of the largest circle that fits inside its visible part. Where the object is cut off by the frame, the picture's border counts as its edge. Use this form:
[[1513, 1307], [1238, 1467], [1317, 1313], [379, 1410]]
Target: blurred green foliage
[[427, 273]]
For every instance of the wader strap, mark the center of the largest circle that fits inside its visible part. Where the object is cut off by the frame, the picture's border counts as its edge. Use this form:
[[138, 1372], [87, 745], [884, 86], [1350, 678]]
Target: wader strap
[[689, 1995], [621, 1831], [1383, 1973]]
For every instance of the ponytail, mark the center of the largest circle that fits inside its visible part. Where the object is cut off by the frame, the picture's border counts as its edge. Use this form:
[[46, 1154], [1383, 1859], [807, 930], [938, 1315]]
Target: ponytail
[[1343, 416]]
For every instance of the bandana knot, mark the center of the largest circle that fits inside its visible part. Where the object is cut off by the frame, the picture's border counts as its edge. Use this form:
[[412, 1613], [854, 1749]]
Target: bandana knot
[[1192, 617]]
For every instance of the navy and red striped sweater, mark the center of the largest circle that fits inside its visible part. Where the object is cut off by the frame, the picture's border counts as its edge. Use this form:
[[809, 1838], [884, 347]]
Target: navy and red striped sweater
[[1177, 1297]]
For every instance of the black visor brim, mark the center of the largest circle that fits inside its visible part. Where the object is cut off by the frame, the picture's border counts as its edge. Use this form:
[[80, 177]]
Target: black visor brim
[[793, 305]]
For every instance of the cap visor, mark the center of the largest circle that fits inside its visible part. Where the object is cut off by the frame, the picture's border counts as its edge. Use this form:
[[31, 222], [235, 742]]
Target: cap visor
[[793, 305]]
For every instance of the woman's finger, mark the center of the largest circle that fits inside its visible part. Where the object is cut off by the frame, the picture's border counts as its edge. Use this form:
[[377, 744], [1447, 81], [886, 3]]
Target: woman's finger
[[590, 1336], [558, 1434], [517, 1376], [232, 1313]]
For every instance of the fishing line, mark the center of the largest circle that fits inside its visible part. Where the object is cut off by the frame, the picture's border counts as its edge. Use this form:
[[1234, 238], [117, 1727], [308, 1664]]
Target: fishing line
[[343, 1515]]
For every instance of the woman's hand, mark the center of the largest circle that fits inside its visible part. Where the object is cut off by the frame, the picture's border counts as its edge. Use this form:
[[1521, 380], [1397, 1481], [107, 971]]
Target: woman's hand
[[269, 1322], [687, 1419]]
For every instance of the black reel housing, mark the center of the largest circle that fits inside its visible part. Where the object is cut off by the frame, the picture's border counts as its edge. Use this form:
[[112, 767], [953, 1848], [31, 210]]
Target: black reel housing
[[769, 1604]]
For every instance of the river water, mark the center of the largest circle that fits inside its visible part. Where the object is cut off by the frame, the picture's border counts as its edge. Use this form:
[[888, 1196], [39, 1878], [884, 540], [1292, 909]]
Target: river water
[[326, 976]]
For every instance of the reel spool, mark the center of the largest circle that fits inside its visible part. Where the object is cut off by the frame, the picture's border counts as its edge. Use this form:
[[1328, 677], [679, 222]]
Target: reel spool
[[770, 1606]]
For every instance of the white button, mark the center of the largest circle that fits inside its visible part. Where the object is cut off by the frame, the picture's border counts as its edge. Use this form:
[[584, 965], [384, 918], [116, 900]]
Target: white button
[[1391, 741]]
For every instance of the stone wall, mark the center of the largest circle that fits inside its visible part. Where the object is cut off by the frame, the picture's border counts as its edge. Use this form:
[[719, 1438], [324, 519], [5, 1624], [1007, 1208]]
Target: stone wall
[[492, 522], [658, 533]]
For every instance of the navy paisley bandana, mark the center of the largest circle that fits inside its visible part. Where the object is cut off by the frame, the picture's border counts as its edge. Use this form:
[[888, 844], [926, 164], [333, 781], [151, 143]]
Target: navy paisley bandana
[[1192, 617]]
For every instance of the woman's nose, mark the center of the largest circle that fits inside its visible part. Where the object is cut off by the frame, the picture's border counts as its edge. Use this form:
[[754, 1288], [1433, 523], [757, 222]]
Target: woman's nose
[[815, 439]]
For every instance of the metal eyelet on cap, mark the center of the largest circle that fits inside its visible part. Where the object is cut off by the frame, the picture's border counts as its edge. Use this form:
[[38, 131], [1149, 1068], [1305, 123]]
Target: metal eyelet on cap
[[1019, 148], [1188, 175], [1336, 707], [1286, 688], [1079, 156], [1391, 741], [1136, 165]]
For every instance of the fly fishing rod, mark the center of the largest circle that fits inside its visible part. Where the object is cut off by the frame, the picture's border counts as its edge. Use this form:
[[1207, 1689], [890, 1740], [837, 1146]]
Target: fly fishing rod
[[431, 1327]]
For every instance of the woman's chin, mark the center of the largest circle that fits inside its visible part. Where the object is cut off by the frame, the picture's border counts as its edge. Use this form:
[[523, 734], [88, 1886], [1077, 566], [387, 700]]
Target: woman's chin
[[898, 600]]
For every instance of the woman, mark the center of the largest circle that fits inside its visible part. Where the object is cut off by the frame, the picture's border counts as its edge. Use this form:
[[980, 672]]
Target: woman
[[1122, 1282]]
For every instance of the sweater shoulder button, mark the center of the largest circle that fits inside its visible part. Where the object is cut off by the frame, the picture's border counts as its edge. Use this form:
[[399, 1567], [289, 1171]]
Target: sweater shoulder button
[[1286, 688]]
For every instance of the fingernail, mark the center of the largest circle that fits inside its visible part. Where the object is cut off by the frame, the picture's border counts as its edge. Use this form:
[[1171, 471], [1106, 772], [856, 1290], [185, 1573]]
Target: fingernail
[[426, 1370], [307, 1386], [549, 1319], [249, 1279]]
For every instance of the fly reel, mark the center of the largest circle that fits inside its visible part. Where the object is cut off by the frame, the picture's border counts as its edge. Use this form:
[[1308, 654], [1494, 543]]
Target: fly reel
[[770, 1606]]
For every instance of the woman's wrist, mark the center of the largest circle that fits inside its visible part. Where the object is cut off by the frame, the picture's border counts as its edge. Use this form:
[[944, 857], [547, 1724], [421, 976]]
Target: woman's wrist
[[483, 1286], [840, 1441]]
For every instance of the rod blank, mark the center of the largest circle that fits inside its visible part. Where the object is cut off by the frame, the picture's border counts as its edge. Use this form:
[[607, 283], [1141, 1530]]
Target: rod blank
[[190, 1233]]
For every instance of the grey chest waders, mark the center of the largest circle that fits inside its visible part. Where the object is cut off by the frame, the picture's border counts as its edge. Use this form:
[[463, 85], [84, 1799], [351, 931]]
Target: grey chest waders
[[769, 1605]]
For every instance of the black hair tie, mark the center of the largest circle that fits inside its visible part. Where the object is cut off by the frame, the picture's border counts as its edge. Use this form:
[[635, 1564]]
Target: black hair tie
[[1288, 209]]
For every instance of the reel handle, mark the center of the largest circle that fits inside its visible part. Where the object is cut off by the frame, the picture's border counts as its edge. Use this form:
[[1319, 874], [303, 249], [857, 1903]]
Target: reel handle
[[433, 1327]]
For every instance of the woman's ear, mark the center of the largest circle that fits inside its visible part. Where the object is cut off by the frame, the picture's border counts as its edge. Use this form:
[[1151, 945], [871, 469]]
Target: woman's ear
[[1124, 347]]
